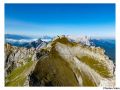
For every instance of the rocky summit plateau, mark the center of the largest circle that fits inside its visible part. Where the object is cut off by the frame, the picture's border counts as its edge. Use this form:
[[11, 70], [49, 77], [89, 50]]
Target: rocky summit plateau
[[60, 62]]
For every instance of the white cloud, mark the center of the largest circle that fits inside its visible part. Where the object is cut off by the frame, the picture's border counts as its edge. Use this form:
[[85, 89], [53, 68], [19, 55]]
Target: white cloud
[[21, 40]]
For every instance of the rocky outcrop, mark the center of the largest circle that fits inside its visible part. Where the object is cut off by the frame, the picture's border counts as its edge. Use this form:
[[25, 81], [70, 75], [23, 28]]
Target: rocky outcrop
[[20, 62], [16, 57], [34, 44]]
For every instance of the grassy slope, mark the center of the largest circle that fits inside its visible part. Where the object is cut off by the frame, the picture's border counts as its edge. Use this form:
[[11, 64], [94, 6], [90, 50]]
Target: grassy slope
[[96, 65], [65, 75], [63, 40], [54, 71], [92, 63], [18, 76]]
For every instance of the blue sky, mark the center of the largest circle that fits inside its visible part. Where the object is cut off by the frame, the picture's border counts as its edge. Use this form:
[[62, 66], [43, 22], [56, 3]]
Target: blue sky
[[97, 20]]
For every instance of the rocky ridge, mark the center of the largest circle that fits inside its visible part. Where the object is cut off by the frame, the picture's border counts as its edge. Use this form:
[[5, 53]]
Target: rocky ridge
[[62, 63], [89, 64]]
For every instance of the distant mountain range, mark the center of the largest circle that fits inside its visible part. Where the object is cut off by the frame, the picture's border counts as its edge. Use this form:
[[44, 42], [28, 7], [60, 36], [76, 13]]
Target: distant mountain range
[[107, 44], [28, 42]]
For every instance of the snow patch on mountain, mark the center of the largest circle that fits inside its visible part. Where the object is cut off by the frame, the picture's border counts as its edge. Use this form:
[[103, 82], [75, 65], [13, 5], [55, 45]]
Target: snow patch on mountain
[[80, 39]]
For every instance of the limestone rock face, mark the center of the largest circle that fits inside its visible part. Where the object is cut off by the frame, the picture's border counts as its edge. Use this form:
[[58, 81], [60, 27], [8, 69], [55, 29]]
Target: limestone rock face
[[16, 57], [20, 62]]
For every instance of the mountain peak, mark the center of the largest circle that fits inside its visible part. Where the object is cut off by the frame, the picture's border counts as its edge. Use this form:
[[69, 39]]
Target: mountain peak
[[89, 65], [62, 62]]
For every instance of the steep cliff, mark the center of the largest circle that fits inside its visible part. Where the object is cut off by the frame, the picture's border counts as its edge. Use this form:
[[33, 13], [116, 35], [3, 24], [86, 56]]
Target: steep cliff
[[16, 57], [18, 64]]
